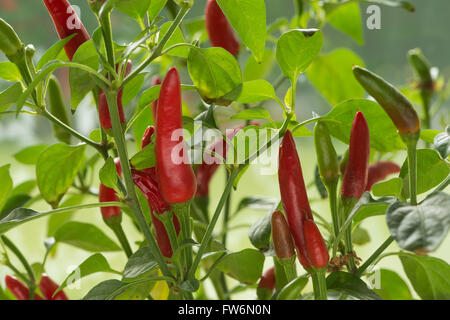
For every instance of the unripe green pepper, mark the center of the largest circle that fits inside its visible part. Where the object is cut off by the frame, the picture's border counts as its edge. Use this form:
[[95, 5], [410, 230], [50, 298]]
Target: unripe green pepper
[[422, 68], [327, 159], [58, 109], [10, 43]]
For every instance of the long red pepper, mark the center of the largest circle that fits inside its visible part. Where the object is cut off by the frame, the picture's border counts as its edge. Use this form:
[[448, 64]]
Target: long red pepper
[[48, 288], [18, 289], [355, 176], [67, 23], [219, 29], [315, 245], [175, 175], [106, 194], [378, 171], [293, 194], [103, 110]]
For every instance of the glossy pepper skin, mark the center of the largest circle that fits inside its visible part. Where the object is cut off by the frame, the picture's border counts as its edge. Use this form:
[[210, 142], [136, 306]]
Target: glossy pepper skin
[[48, 288], [327, 159], [355, 176], [155, 81], [293, 194], [106, 194], [175, 175], [219, 29], [10, 43], [67, 23], [378, 171], [18, 289], [103, 110], [281, 236], [315, 245], [58, 109], [396, 105]]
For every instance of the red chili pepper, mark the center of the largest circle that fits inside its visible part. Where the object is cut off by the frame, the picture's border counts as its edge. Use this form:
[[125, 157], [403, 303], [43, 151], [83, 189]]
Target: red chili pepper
[[48, 288], [175, 175], [103, 110], [315, 245], [281, 236], [268, 279], [106, 194], [67, 23], [18, 289], [355, 176], [219, 29], [155, 81], [147, 137], [293, 194], [378, 171]]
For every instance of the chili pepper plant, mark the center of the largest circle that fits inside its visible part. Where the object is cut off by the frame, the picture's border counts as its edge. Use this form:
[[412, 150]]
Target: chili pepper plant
[[180, 102]]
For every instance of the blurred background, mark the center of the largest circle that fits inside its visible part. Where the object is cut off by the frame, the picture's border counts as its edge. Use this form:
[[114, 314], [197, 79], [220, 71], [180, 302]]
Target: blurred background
[[384, 51]]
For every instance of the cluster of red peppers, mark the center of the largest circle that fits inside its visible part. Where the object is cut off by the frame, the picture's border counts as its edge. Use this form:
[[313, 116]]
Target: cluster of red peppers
[[46, 285]]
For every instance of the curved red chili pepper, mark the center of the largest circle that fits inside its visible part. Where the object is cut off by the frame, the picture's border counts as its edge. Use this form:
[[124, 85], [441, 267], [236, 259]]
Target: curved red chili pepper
[[155, 81], [18, 289], [293, 194], [175, 175], [67, 23], [219, 29], [355, 176], [268, 279], [106, 194], [315, 245], [103, 110], [378, 171], [48, 288], [147, 137]]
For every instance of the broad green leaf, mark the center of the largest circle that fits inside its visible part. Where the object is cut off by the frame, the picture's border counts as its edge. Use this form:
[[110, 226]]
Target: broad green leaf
[[296, 49], [25, 187], [175, 38], [6, 185], [13, 202], [442, 143], [260, 232], [139, 263], [431, 170], [133, 8], [144, 158], [116, 289], [351, 285], [347, 18], [392, 286], [108, 173], [80, 81], [392, 187], [132, 88], [255, 91], [56, 169], [254, 70], [9, 71], [215, 73], [10, 95], [429, 276], [248, 18], [383, 133], [252, 114], [360, 236], [155, 8], [84, 236], [423, 227], [245, 266], [53, 52], [30, 155], [369, 207], [293, 290], [332, 75]]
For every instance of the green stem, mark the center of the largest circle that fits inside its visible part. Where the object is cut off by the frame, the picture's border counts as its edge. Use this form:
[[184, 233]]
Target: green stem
[[20, 256], [290, 271], [411, 144], [212, 224], [321, 286], [374, 256], [348, 204], [226, 216], [332, 195], [183, 213], [116, 227], [107, 36]]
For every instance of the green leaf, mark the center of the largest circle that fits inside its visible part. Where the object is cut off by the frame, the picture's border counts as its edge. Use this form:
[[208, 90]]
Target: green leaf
[[215, 73], [422, 227], [248, 18], [336, 66], [396, 4], [254, 70], [360, 236], [369, 207], [106, 290], [14, 201], [255, 91], [351, 285], [139, 263], [296, 49], [293, 290], [30, 155], [431, 170], [252, 114], [175, 38], [133, 8], [260, 232], [10, 95], [347, 18], [132, 88], [144, 158], [53, 52], [56, 169], [429, 276], [428, 135], [9, 71], [6, 185], [392, 187], [80, 81], [392, 286], [108, 173], [257, 203], [85, 236], [25, 187], [383, 133], [442, 143], [155, 8], [245, 266]]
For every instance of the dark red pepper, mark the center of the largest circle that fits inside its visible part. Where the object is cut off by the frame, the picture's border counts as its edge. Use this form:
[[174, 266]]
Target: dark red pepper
[[355, 176], [175, 175], [378, 171], [281, 236], [103, 110], [155, 81], [268, 279], [67, 23], [293, 194], [48, 288], [219, 29], [18, 289], [106, 194], [315, 245]]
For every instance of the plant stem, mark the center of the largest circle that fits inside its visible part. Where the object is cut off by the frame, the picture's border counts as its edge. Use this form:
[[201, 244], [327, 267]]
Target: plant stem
[[321, 286], [348, 204], [120, 234], [226, 216], [290, 271], [183, 213], [107, 36], [332, 195], [411, 144], [212, 224], [374, 256]]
